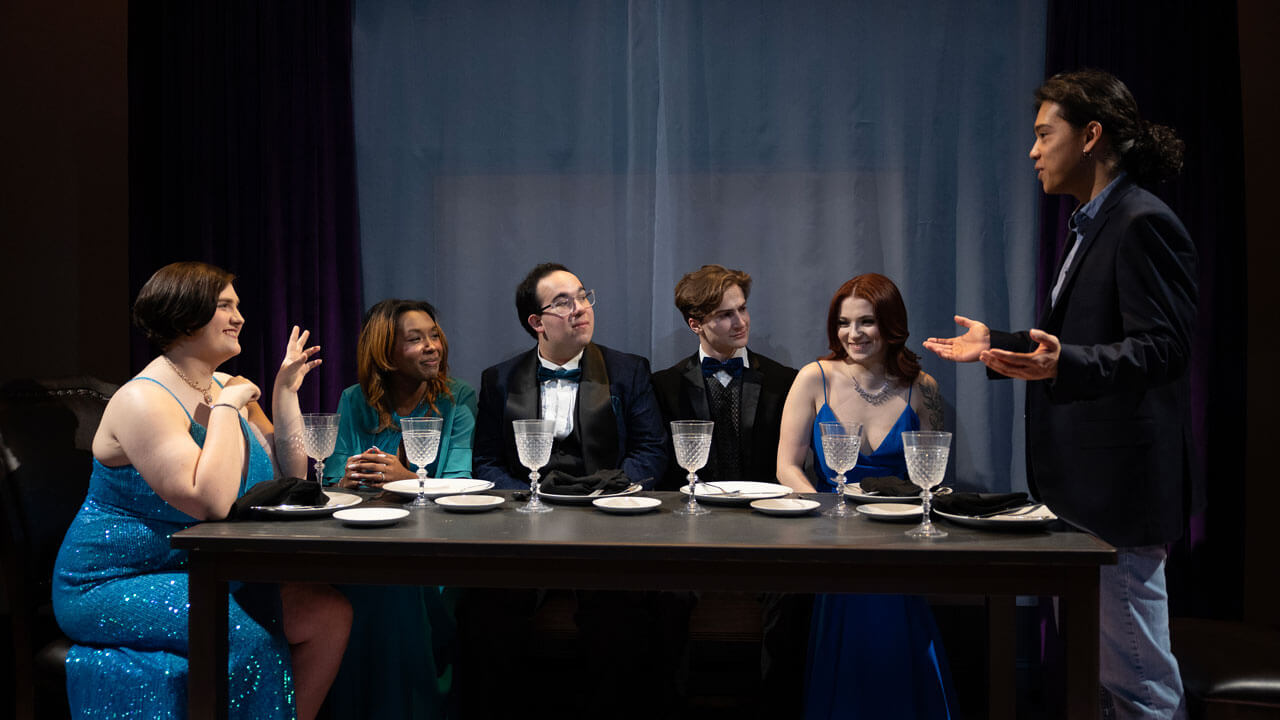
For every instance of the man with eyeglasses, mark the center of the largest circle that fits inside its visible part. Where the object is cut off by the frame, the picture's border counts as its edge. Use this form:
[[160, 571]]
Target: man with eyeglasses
[[606, 418]]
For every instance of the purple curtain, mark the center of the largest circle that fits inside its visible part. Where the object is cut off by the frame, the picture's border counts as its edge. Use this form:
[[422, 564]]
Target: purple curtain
[[1181, 60], [241, 153]]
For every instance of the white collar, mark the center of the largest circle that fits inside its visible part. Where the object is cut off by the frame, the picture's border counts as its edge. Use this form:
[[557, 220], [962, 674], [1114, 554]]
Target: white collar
[[739, 353], [572, 364]]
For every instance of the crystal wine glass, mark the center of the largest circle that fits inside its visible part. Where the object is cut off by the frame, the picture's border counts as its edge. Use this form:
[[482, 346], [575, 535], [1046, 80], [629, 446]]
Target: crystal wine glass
[[840, 444], [533, 443], [927, 452], [421, 441], [692, 440], [319, 435]]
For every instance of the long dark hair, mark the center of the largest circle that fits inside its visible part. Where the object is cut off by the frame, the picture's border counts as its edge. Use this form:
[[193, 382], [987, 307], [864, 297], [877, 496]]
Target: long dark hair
[[1150, 153], [891, 316]]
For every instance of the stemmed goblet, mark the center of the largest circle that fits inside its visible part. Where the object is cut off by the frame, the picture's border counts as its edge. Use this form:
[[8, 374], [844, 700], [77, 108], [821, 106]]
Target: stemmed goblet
[[533, 443], [420, 437], [692, 441], [319, 435], [840, 444], [927, 452]]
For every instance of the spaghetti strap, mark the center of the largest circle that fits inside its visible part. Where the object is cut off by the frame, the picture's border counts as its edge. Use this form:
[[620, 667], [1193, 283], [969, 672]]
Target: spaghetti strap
[[824, 381], [175, 397], [910, 387]]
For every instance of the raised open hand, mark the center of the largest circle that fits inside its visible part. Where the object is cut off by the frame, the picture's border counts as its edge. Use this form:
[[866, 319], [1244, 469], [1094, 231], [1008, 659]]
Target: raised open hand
[[297, 360], [963, 348], [1039, 364]]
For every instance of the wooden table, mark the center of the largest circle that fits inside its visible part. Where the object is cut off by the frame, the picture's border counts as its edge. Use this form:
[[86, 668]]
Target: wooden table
[[733, 548]]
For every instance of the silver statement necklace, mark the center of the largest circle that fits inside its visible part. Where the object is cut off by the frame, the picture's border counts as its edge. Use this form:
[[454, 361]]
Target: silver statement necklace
[[873, 398], [208, 398]]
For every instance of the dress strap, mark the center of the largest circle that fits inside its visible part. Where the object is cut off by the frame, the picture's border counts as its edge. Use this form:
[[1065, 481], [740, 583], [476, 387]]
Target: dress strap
[[824, 381], [910, 387], [215, 379], [175, 397]]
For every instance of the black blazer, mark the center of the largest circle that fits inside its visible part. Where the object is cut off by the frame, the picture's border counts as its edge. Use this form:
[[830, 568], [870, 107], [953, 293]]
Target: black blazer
[[616, 413], [1109, 439], [765, 383]]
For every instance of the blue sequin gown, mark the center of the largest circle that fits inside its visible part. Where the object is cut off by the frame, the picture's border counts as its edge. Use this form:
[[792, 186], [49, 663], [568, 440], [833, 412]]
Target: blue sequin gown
[[120, 593], [875, 656]]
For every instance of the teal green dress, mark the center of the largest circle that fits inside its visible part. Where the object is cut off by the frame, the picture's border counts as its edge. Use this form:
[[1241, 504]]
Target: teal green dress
[[120, 594], [397, 660]]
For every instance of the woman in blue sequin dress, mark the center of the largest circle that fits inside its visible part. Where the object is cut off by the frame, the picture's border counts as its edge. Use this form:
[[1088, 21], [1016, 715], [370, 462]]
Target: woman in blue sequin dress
[[870, 656], [397, 664], [177, 445]]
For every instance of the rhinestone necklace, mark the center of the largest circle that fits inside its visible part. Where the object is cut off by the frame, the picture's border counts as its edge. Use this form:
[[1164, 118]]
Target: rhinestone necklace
[[208, 399], [873, 398]]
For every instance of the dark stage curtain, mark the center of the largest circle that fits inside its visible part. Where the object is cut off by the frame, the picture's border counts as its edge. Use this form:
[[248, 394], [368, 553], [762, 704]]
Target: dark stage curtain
[[241, 153], [1181, 60]]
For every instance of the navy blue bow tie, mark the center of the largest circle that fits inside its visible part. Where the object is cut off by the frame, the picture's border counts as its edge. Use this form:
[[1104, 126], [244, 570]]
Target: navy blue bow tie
[[711, 366], [545, 373]]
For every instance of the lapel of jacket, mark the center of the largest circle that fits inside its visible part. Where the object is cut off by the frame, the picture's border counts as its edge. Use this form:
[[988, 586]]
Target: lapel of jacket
[[597, 425], [524, 400], [1052, 315], [695, 389], [752, 381]]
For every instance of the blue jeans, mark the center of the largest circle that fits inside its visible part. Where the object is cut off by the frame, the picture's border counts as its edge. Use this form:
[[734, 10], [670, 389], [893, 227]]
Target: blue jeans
[[1138, 669]]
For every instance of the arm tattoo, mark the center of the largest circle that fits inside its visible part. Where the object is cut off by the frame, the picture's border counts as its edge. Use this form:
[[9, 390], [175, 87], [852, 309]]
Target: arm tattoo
[[932, 403]]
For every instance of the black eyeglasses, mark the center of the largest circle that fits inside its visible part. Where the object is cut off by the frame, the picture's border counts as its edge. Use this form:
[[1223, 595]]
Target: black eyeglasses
[[564, 305]]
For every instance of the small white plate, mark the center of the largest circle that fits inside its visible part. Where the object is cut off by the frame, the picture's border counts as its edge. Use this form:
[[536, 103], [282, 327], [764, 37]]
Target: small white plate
[[436, 487], [890, 511], [586, 499], [737, 492], [626, 505], [785, 506], [371, 516], [853, 491], [1029, 521], [337, 501], [469, 503]]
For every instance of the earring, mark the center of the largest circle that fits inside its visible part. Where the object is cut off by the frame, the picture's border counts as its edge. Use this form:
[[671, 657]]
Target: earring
[[1086, 155]]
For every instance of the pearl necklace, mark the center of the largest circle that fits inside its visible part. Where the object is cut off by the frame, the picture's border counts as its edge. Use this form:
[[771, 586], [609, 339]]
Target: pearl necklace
[[208, 398], [876, 398]]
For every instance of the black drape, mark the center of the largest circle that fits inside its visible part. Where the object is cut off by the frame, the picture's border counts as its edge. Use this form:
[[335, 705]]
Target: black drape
[[241, 153], [1181, 60]]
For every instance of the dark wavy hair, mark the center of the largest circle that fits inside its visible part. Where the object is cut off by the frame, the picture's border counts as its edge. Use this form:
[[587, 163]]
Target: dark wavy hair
[[179, 299], [373, 357], [1150, 153], [701, 291], [891, 317], [527, 293]]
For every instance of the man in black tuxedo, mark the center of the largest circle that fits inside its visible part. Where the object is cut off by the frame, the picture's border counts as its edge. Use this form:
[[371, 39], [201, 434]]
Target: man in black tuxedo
[[606, 418], [1108, 428], [743, 393]]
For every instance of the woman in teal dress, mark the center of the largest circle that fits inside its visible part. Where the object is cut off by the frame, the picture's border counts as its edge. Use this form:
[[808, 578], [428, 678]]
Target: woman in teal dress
[[397, 663], [870, 656], [177, 445]]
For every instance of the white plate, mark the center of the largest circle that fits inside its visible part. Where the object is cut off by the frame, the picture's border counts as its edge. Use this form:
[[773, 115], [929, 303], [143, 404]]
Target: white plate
[[626, 505], [785, 506], [737, 492], [853, 491], [469, 503], [1032, 520], [337, 501], [371, 516], [437, 487], [588, 499], [890, 511]]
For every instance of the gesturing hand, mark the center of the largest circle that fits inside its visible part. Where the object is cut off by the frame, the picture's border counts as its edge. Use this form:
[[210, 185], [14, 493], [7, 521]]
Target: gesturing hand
[[238, 392], [297, 360], [1039, 364], [963, 348]]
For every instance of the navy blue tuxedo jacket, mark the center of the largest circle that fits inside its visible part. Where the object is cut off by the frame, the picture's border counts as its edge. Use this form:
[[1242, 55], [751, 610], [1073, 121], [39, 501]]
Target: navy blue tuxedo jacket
[[1108, 440], [616, 414]]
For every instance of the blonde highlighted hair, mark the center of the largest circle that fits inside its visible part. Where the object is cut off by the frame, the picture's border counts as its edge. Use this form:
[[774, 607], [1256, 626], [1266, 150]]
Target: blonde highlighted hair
[[374, 366]]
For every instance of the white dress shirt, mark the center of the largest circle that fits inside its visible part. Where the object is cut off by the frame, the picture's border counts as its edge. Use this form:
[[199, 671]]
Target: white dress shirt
[[559, 396], [724, 377]]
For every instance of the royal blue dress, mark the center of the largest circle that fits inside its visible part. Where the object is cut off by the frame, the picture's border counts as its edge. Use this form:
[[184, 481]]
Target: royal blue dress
[[874, 656], [120, 593]]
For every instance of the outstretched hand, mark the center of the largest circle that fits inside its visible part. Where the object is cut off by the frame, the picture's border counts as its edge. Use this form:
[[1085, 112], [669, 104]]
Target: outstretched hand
[[1039, 364], [963, 348], [297, 360]]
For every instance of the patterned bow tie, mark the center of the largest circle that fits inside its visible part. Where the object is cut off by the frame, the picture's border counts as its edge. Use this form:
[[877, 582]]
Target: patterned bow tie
[[711, 366], [546, 373]]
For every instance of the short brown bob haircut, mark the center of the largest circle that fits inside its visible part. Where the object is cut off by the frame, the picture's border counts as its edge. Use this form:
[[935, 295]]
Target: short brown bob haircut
[[178, 300], [700, 292]]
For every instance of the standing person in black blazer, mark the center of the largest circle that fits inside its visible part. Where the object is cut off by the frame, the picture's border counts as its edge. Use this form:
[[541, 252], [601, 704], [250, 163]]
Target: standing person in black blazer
[[743, 392], [1108, 430]]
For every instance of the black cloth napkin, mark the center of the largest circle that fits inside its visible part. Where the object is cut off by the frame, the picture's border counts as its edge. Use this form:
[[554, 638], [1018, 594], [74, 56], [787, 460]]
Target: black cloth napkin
[[284, 491], [889, 485], [975, 503], [607, 481]]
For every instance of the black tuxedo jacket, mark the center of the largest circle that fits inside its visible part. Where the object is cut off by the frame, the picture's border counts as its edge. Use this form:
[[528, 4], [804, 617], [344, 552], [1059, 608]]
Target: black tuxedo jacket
[[765, 383], [616, 415], [1109, 440]]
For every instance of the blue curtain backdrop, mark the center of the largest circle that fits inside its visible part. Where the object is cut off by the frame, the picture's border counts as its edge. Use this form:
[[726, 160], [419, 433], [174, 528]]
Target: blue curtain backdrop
[[802, 142]]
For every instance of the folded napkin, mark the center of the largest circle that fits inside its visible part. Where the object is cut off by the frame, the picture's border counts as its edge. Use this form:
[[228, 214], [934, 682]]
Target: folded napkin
[[284, 491], [607, 481], [889, 485], [975, 503]]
